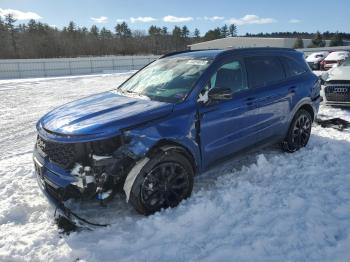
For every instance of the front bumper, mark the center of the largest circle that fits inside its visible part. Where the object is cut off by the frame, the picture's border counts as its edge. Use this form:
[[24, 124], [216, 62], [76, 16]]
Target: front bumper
[[53, 185]]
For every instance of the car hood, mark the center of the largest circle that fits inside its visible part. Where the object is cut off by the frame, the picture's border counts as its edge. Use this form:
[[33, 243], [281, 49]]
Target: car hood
[[339, 73], [103, 114], [313, 59]]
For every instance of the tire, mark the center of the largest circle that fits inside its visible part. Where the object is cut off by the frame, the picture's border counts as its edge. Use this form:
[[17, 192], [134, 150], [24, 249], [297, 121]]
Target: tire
[[299, 132], [163, 182]]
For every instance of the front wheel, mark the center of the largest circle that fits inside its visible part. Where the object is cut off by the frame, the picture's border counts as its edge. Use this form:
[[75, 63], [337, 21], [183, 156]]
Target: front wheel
[[299, 132], [163, 182]]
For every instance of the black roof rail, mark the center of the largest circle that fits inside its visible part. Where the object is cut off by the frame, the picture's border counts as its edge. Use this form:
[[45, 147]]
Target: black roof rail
[[184, 51]]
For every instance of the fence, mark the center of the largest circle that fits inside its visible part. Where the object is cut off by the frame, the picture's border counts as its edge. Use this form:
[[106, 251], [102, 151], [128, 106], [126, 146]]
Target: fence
[[22, 68], [308, 51]]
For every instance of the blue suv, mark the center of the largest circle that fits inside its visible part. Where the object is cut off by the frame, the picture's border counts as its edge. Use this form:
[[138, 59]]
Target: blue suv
[[171, 120]]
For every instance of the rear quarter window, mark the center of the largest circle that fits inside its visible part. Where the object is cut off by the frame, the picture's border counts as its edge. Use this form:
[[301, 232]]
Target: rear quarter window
[[264, 70], [293, 67]]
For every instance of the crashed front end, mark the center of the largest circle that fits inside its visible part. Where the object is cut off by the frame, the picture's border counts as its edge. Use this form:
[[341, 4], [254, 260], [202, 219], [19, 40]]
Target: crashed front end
[[82, 170]]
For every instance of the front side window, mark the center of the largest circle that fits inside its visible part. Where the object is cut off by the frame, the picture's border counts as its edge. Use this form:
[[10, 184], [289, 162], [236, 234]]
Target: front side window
[[264, 70], [229, 75], [168, 79]]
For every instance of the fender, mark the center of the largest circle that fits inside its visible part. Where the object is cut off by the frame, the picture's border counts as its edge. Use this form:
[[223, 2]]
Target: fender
[[302, 102]]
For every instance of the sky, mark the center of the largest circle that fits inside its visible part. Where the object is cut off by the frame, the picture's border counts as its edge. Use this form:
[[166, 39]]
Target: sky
[[252, 16]]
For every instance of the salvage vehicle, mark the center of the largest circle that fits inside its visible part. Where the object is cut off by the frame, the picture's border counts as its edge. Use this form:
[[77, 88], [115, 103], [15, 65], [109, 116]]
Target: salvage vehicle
[[314, 60], [173, 119], [336, 88], [334, 59]]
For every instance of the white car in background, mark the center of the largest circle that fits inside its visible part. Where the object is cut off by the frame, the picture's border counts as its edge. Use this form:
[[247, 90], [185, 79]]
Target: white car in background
[[336, 88], [315, 59], [334, 58]]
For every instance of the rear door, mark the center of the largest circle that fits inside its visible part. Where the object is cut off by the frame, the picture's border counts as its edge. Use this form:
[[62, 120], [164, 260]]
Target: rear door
[[272, 95]]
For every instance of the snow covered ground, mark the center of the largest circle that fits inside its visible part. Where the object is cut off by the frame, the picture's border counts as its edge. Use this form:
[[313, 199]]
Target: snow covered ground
[[263, 206]]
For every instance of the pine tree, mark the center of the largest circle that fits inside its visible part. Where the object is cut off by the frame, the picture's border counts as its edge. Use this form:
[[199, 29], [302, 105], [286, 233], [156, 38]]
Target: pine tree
[[213, 34], [224, 31], [233, 30], [299, 43], [336, 40], [164, 30], [10, 24], [185, 32], [94, 31], [317, 41], [196, 33], [122, 30]]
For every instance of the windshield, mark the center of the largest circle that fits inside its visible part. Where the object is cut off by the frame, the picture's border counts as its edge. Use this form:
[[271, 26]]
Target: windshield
[[168, 79], [346, 62]]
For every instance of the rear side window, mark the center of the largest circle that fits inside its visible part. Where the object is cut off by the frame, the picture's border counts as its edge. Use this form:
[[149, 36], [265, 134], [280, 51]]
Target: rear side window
[[264, 70], [293, 67]]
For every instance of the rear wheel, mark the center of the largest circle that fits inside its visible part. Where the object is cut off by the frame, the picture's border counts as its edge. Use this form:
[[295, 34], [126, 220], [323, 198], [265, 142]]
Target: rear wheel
[[299, 132], [164, 182]]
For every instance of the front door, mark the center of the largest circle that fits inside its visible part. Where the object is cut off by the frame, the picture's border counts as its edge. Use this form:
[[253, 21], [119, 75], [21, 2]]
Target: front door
[[227, 126]]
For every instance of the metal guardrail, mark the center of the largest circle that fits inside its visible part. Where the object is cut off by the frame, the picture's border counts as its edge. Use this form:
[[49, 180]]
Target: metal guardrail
[[23, 68]]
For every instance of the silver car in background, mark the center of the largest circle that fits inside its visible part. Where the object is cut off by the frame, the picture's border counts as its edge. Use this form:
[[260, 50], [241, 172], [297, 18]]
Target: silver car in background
[[336, 88]]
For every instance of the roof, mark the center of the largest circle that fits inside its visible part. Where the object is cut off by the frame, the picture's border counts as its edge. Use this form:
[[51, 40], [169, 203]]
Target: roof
[[213, 53]]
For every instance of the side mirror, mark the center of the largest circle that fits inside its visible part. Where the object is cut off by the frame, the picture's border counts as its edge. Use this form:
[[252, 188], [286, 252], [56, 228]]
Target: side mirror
[[218, 94]]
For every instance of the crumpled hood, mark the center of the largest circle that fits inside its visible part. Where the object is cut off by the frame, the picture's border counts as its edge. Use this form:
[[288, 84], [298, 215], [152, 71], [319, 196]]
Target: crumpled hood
[[339, 73], [102, 114]]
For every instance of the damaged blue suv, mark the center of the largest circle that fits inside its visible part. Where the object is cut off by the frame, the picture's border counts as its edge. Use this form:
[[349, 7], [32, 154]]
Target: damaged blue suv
[[171, 120]]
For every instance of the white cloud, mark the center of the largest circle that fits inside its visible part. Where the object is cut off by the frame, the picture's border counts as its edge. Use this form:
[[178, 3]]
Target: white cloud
[[121, 20], [294, 21], [144, 19], [19, 15], [214, 18], [251, 19], [175, 19], [100, 20]]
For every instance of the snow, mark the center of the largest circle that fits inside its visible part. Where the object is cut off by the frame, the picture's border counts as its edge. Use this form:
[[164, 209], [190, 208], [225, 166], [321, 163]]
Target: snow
[[338, 55], [262, 206]]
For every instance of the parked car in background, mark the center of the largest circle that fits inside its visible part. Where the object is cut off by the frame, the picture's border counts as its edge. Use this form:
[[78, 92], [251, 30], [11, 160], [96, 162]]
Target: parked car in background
[[336, 88], [171, 120], [334, 58], [314, 60]]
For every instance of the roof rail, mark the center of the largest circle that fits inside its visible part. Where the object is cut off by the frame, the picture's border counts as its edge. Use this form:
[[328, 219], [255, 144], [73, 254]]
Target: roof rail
[[185, 51], [176, 53]]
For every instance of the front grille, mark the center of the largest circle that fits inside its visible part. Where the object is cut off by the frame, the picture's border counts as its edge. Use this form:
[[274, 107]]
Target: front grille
[[338, 91], [62, 154]]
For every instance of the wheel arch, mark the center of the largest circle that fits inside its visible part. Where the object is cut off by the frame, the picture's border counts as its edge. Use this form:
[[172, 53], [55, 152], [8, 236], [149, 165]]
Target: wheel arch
[[166, 144], [309, 109]]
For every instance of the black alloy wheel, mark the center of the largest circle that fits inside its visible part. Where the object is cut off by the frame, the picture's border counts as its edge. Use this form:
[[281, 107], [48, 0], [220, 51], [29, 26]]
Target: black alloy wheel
[[163, 182], [165, 186], [299, 132]]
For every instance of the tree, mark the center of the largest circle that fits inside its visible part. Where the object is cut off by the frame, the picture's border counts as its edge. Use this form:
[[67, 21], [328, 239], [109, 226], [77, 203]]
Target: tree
[[10, 24], [154, 30], [213, 34], [224, 31], [71, 27], [317, 41], [336, 40], [94, 31], [299, 43], [122, 30], [164, 30], [196, 33], [185, 32], [233, 30]]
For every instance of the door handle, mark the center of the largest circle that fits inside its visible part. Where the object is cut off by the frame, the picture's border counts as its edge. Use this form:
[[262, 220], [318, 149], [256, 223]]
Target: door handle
[[250, 101]]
